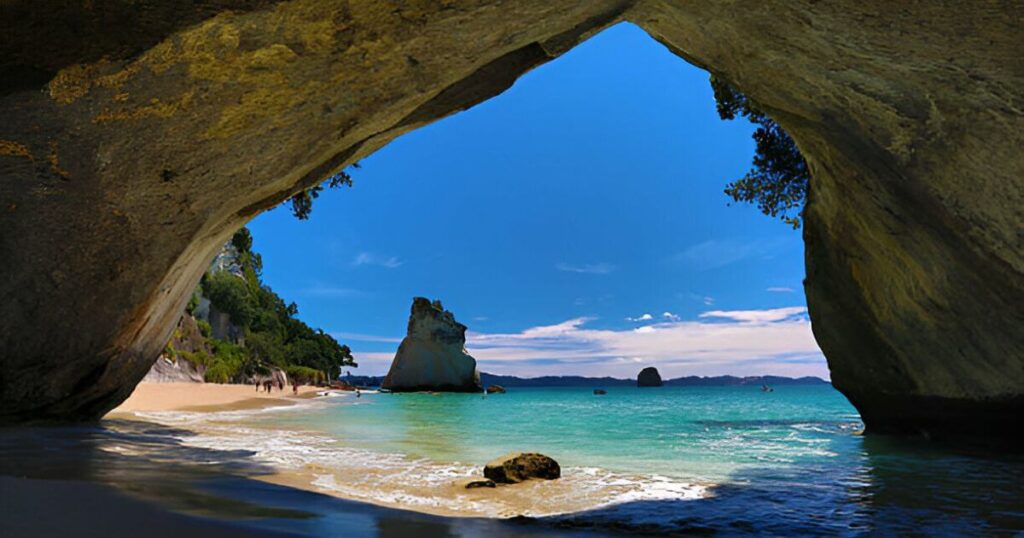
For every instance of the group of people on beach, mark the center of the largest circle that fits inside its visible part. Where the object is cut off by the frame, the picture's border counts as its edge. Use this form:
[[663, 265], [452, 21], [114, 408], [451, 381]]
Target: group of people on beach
[[269, 384]]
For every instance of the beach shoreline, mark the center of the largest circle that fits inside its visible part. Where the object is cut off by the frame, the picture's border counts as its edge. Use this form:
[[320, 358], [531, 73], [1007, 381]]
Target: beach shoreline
[[206, 397], [333, 466], [201, 405]]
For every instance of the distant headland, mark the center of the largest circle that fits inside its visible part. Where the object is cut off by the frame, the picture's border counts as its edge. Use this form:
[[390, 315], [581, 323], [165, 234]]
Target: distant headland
[[506, 381]]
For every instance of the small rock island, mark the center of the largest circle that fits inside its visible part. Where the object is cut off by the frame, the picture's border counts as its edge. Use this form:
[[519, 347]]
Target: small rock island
[[432, 356], [649, 377]]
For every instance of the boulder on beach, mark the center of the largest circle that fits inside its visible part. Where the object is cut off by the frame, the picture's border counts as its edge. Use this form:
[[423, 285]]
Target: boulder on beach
[[496, 389], [432, 356], [649, 377], [519, 466]]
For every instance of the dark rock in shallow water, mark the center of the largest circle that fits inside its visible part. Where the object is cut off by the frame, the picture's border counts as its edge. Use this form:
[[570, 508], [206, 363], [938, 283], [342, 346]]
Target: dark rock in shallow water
[[496, 389], [649, 377], [600, 392], [433, 357], [474, 483], [518, 466]]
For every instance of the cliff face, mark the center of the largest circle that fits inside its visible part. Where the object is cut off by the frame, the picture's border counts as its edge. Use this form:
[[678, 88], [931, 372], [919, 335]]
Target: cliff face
[[432, 356], [173, 366], [134, 146]]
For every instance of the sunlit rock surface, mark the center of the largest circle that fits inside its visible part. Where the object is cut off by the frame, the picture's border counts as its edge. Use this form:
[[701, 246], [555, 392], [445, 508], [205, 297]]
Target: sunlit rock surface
[[432, 356], [137, 136]]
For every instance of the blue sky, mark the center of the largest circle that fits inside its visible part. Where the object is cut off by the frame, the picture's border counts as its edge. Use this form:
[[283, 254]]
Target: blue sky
[[576, 223]]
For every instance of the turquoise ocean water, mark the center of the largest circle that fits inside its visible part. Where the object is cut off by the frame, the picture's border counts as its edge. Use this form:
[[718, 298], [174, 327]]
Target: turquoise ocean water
[[691, 433], [672, 459]]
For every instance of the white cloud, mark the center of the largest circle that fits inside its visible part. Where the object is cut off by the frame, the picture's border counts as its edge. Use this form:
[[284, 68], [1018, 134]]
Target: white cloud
[[588, 268], [717, 253], [756, 316], [706, 299], [670, 316], [738, 342], [368, 258], [779, 289], [644, 317], [748, 342]]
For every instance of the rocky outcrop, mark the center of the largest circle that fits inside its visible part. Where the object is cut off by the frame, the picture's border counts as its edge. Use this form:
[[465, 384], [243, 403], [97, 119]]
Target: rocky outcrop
[[519, 466], [174, 364], [173, 370], [132, 147], [223, 328], [648, 377], [432, 356]]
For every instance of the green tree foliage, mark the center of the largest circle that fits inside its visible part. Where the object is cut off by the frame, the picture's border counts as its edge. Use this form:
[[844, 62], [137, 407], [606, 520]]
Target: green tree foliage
[[242, 240], [266, 348], [302, 203], [227, 364], [230, 295], [199, 358], [193, 302], [304, 374], [274, 336], [318, 350], [779, 179]]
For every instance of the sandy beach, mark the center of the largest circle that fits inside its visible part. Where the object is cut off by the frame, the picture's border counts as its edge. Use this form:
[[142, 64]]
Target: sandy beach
[[364, 480], [206, 397]]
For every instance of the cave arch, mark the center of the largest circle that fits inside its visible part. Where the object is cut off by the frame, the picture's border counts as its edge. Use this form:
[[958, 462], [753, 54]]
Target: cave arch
[[125, 163]]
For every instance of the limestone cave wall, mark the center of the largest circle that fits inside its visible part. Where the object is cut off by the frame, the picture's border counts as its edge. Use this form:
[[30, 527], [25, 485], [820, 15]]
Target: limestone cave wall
[[131, 149]]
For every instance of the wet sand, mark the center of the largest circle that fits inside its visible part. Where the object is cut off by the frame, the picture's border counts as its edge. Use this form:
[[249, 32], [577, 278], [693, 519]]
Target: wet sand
[[206, 397]]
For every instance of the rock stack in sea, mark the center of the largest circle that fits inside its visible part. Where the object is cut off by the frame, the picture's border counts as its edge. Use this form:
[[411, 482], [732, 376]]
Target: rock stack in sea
[[432, 356], [649, 377]]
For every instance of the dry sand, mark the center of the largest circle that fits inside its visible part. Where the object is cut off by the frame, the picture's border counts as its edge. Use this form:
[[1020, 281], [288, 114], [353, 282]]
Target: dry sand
[[207, 397]]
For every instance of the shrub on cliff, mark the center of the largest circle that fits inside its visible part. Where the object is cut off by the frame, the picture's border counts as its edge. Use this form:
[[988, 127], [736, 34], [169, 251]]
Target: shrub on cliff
[[302, 203], [199, 358], [779, 179]]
